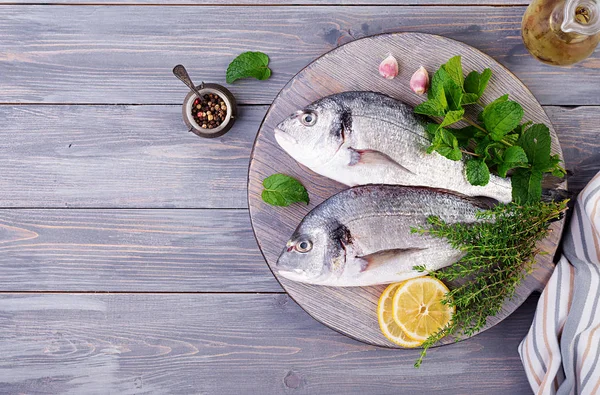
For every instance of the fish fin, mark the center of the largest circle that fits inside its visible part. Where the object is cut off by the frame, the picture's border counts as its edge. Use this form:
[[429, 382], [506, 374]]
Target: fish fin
[[482, 202], [380, 258], [367, 156]]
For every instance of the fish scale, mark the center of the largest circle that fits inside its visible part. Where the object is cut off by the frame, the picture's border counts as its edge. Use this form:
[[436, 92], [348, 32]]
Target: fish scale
[[360, 138], [362, 236]]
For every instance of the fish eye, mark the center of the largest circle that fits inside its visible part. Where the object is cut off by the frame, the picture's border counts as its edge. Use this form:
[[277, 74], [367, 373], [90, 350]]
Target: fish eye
[[303, 246], [309, 119]]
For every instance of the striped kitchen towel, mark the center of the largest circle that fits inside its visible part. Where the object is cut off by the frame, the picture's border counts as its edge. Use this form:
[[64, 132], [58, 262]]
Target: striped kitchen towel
[[561, 352]]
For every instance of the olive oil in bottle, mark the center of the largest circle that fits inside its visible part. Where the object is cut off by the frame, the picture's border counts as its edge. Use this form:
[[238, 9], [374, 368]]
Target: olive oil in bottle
[[561, 32]]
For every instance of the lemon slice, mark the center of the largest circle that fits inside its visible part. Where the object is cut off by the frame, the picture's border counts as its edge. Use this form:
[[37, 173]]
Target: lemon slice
[[388, 326], [417, 307]]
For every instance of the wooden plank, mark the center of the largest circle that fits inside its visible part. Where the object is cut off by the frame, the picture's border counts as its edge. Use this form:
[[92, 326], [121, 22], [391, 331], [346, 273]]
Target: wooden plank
[[142, 156], [131, 250], [219, 344], [120, 156], [96, 54], [579, 133]]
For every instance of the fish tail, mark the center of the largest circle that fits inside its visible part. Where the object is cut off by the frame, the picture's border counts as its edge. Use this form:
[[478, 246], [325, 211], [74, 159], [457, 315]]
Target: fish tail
[[556, 195]]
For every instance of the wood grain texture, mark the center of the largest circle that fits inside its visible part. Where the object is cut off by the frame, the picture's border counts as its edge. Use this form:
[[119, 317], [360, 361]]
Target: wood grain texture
[[229, 344], [269, 3], [61, 256], [120, 156], [579, 134], [131, 250], [350, 310], [142, 156], [99, 54]]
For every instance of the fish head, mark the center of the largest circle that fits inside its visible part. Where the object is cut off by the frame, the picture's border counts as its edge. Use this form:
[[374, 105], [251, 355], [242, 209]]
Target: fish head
[[309, 256], [314, 135]]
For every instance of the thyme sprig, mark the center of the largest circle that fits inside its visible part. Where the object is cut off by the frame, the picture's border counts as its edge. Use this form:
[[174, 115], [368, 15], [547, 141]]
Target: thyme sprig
[[499, 251]]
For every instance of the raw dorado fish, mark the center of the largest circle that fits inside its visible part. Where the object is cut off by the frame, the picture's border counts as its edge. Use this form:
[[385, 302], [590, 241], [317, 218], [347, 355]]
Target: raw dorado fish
[[359, 138], [362, 236]]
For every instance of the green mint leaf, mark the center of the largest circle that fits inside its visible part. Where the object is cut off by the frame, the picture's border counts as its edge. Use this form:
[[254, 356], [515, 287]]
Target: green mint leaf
[[559, 172], [551, 166], [511, 139], [526, 185], [455, 155], [555, 164], [501, 99], [484, 146], [454, 95], [447, 138], [248, 64], [483, 81], [496, 151], [500, 118], [450, 153], [471, 84], [282, 190], [437, 82], [445, 144], [476, 83], [431, 128], [477, 172], [454, 69], [464, 135], [469, 98], [503, 168], [481, 145], [441, 99], [436, 90], [522, 128], [480, 116], [430, 108], [453, 117], [513, 156], [536, 143], [444, 90]]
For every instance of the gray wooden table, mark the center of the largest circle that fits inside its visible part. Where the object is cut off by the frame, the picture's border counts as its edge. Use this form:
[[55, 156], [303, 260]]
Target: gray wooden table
[[127, 261]]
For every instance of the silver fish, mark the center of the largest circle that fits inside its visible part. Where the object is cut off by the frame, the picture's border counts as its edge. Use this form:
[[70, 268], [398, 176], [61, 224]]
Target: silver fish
[[362, 236], [359, 138]]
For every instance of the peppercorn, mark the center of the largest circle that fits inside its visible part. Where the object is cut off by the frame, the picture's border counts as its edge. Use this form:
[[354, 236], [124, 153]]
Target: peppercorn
[[209, 111]]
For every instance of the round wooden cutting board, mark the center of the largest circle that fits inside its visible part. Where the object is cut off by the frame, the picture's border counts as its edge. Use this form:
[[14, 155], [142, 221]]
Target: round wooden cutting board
[[354, 67]]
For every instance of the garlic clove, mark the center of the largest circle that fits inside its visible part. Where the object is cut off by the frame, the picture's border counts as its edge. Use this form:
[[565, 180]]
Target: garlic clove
[[419, 82], [388, 68]]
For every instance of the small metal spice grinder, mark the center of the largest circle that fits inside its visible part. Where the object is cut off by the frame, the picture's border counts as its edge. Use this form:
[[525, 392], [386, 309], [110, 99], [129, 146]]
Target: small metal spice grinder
[[227, 98]]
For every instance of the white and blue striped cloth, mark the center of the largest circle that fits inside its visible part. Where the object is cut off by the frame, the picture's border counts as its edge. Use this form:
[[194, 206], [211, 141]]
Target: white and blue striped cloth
[[561, 352]]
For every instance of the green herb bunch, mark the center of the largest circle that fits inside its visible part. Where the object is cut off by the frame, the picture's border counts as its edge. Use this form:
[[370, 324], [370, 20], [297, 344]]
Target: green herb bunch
[[497, 141], [499, 251]]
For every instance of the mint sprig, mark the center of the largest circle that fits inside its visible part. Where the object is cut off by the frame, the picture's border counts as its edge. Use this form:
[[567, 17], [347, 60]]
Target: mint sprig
[[283, 190], [496, 142], [248, 64]]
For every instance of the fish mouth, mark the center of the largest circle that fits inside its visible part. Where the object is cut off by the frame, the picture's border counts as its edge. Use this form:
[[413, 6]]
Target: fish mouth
[[293, 275], [284, 139]]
